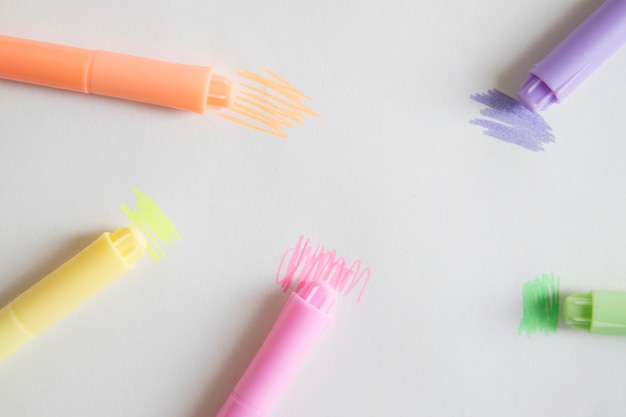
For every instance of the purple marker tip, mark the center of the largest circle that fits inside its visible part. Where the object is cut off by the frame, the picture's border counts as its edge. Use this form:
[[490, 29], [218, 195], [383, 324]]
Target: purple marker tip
[[574, 59]]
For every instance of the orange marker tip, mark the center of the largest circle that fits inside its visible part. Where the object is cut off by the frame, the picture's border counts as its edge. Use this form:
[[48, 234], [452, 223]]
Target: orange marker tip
[[220, 91]]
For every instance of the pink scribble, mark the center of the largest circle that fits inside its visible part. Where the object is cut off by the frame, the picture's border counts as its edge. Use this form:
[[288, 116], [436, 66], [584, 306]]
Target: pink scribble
[[307, 265]]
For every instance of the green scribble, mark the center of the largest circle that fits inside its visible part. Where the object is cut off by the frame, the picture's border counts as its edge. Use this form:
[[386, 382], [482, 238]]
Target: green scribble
[[153, 223], [541, 305]]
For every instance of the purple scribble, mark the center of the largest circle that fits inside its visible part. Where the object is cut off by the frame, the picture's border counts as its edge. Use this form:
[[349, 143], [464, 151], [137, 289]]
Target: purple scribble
[[514, 123]]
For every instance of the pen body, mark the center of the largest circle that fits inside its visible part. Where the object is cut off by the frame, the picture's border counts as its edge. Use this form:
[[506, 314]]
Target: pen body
[[181, 86], [576, 57], [301, 323], [46, 64], [67, 287]]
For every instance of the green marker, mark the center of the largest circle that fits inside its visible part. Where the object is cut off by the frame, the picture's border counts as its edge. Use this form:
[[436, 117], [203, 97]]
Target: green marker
[[600, 312]]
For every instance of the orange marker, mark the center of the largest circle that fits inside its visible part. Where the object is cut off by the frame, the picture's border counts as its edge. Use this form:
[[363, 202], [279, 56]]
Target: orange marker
[[186, 87]]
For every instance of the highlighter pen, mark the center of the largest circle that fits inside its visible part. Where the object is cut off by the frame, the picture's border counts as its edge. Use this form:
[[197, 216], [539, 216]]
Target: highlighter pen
[[600, 312], [67, 287], [299, 326], [576, 57], [186, 87]]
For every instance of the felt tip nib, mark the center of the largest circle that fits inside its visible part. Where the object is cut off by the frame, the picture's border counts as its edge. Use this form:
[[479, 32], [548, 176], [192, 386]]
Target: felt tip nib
[[319, 295], [220, 91], [577, 311], [129, 243], [535, 94]]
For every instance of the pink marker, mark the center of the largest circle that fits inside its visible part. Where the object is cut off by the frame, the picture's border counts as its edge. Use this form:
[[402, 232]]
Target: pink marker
[[299, 326]]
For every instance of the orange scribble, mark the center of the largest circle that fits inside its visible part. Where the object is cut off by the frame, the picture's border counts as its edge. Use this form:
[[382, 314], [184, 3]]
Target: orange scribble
[[269, 106]]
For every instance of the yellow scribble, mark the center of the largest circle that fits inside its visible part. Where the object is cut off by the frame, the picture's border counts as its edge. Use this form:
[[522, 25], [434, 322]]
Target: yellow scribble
[[274, 105], [153, 223]]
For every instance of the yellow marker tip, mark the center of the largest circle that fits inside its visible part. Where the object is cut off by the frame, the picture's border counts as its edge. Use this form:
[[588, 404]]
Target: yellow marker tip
[[129, 243]]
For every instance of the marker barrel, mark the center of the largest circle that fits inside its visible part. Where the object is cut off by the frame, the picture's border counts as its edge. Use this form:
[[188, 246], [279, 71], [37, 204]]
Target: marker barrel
[[300, 325], [600, 312], [186, 87], [576, 57], [67, 287]]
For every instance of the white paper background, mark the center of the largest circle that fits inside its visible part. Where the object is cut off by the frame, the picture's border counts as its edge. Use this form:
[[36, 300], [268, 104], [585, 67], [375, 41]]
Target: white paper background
[[451, 222]]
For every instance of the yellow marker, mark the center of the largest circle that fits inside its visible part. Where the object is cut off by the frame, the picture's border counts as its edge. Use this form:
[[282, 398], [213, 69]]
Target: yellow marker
[[67, 287]]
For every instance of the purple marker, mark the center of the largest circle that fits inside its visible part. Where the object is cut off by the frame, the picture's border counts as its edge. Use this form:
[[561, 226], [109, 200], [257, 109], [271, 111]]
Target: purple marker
[[574, 59]]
